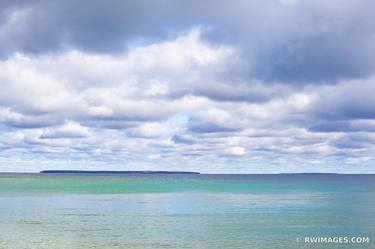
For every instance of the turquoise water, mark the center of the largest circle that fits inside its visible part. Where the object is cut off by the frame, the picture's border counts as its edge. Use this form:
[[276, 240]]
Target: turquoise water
[[184, 211]]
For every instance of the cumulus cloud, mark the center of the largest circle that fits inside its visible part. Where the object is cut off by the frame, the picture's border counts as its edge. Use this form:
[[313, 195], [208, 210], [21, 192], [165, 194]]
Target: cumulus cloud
[[289, 41], [347, 101], [265, 86], [67, 130]]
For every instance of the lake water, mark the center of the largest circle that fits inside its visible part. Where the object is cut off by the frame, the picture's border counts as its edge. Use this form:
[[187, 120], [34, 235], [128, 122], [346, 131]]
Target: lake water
[[185, 211]]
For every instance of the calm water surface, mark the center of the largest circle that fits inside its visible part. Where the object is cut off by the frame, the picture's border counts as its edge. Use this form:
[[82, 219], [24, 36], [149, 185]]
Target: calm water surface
[[184, 211]]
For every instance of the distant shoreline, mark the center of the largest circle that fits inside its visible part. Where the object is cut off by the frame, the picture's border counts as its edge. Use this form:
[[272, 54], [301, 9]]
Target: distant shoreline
[[114, 172]]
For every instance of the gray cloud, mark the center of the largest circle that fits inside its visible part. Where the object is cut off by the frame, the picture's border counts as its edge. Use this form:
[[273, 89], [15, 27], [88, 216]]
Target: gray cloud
[[191, 85], [347, 101], [287, 41], [179, 139], [200, 126]]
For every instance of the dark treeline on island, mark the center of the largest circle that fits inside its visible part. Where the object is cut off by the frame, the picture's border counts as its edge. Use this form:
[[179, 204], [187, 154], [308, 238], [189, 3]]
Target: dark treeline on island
[[113, 172]]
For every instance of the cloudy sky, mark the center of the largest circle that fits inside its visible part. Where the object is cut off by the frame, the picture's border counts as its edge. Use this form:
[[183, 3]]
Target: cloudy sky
[[251, 86]]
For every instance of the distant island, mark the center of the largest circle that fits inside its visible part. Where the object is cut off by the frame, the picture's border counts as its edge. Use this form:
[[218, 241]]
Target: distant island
[[113, 172]]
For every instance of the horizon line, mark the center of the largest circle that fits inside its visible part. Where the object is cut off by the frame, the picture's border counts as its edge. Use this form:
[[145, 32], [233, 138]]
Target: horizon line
[[172, 172]]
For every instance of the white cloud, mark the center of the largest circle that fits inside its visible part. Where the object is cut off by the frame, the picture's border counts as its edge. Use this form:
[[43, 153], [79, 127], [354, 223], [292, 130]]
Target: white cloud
[[150, 130], [236, 151], [169, 103], [69, 129]]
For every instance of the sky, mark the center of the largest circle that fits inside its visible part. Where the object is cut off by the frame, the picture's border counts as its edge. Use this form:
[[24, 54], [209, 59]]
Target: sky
[[250, 86]]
